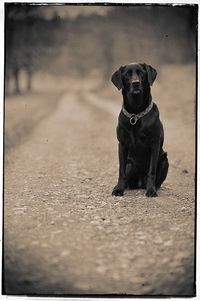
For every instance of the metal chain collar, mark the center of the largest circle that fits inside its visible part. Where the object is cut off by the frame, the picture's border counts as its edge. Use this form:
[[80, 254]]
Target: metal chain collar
[[135, 117]]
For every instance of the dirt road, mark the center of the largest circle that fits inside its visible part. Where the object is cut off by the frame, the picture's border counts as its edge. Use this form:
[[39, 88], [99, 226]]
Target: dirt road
[[65, 234]]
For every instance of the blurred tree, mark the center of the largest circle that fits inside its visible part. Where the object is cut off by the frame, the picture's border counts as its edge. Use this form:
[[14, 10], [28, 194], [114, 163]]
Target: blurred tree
[[107, 40], [30, 41]]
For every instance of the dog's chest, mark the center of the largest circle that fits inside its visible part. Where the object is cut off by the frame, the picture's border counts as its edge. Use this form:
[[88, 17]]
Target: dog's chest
[[137, 139]]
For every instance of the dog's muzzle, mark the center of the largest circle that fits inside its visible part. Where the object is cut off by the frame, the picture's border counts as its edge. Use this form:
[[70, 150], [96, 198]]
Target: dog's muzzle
[[135, 87]]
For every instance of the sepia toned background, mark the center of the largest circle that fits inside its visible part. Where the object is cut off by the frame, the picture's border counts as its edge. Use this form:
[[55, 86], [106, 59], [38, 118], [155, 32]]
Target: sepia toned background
[[63, 232]]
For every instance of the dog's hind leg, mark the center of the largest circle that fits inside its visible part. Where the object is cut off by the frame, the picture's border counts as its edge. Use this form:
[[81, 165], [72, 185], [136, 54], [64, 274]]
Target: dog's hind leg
[[162, 170]]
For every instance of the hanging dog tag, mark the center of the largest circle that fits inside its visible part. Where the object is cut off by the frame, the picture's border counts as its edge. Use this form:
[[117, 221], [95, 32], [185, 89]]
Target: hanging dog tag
[[133, 120]]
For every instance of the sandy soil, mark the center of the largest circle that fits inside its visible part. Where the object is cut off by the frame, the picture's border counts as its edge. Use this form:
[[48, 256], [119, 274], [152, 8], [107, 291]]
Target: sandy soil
[[65, 234]]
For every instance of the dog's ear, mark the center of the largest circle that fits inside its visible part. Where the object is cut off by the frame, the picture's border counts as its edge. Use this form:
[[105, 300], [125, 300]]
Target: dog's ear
[[151, 73], [117, 78]]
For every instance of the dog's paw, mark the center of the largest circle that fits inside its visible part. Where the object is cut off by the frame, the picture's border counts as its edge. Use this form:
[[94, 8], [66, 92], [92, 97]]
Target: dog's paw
[[151, 192], [117, 191]]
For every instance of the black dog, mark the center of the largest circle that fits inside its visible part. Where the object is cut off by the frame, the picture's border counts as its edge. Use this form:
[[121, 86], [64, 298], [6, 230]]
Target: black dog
[[142, 161]]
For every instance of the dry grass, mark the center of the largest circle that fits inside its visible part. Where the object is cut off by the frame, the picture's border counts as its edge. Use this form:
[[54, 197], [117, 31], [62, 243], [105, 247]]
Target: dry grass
[[24, 112]]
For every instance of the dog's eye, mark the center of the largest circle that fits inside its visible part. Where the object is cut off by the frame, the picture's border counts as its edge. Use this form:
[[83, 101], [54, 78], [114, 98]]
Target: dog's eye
[[129, 73], [141, 74]]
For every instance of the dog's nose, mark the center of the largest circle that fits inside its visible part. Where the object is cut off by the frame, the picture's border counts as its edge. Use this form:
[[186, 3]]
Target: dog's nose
[[135, 81]]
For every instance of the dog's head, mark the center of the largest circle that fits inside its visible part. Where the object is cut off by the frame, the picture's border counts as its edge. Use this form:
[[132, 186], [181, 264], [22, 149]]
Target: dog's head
[[134, 77]]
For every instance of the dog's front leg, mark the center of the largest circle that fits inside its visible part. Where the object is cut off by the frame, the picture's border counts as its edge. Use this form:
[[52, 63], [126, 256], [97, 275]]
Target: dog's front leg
[[151, 189], [121, 185]]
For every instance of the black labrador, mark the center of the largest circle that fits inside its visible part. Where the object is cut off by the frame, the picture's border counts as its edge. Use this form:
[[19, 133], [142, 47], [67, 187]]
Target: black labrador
[[142, 161]]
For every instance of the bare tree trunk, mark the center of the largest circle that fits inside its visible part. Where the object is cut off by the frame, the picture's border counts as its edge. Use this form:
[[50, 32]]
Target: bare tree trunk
[[16, 78], [108, 58], [7, 83], [29, 80]]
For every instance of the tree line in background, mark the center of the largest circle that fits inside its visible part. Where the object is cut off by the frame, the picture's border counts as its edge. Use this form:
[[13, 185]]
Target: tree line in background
[[93, 43], [30, 42]]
